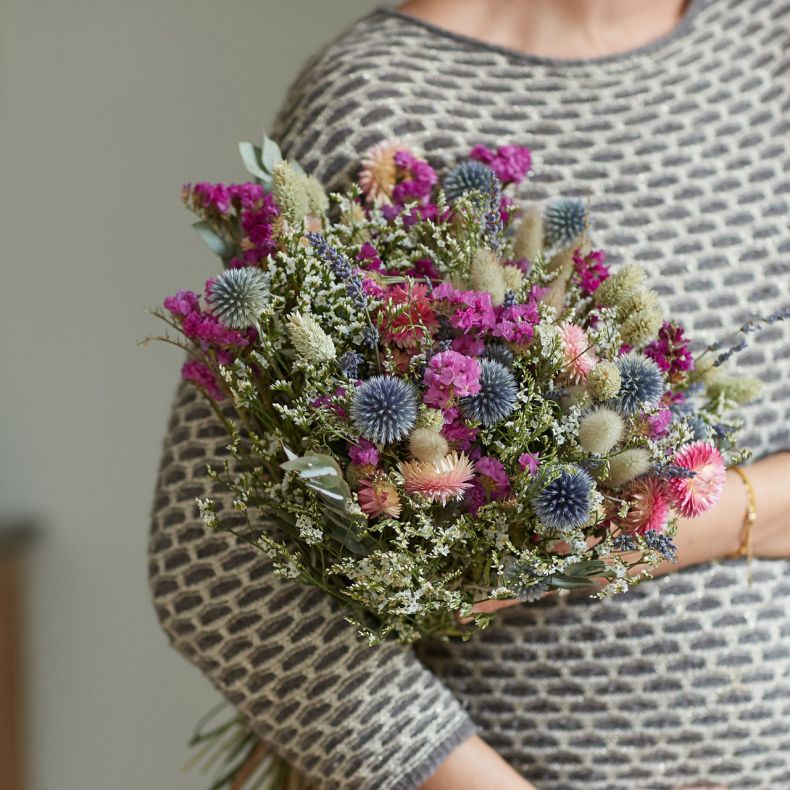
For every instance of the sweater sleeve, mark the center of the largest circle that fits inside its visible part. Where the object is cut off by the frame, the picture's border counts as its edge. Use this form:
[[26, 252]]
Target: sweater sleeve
[[345, 714]]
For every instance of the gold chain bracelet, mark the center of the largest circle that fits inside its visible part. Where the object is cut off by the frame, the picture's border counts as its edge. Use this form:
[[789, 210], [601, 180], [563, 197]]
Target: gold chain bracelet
[[746, 549]]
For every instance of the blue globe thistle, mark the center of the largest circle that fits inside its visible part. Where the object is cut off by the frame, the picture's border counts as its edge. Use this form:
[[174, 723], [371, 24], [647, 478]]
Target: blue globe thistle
[[564, 504], [499, 352], [563, 221], [239, 296], [384, 409], [467, 177], [642, 383], [497, 397], [528, 585]]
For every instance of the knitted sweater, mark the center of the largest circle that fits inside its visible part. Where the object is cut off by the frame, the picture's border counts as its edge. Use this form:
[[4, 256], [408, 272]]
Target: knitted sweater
[[683, 149]]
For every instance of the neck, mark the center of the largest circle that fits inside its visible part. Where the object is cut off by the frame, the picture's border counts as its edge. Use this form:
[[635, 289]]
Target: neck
[[555, 28]]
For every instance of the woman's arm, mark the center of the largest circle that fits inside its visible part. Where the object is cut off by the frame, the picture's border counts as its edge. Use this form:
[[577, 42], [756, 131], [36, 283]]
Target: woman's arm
[[474, 765], [717, 533]]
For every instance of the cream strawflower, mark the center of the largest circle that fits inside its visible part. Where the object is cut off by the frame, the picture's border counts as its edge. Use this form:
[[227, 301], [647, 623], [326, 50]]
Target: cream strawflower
[[440, 481]]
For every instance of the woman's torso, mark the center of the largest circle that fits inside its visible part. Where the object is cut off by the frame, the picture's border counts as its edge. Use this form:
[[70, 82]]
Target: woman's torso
[[682, 148]]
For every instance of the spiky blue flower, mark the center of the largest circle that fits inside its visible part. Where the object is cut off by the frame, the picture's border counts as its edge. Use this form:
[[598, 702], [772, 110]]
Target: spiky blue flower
[[499, 352], [522, 578], [563, 221], [384, 409], [349, 363], [497, 397], [642, 383], [239, 296], [564, 504], [467, 177]]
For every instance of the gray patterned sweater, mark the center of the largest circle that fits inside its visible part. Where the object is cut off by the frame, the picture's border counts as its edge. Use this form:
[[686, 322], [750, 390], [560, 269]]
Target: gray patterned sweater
[[683, 148]]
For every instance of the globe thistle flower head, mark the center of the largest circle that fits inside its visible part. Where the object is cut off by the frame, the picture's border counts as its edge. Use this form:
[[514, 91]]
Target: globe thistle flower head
[[239, 296], [564, 504], [521, 577], [692, 496], [440, 481], [564, 220], [497, 396], [603, 381], [384, 409], [499, 352], [600, 430], [467, 177], [641, 383]]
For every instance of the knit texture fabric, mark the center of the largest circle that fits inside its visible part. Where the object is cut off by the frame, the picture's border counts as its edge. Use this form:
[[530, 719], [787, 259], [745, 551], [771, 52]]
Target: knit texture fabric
[[682, 148]]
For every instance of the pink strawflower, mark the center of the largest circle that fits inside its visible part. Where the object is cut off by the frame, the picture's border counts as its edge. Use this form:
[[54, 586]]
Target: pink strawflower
[[511, 163], [363, 453], [529, 462], [589, 270], [648, 500], [199, 373], [379, 497], [579, 356], [490, 484], [379, 173], [450, 375], [441, 481], [692, 496]]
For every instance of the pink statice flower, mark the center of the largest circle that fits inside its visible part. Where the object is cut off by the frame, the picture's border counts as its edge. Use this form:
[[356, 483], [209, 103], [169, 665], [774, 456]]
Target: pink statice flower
[[439, 481], [692, 496], [470, 345], [215, 196], [199, 373], [460, 435], [577, 352], [208, 329], [448, 376], [648, 510], [516, 323], [369, 259], [332, 402], [491, 483], [658, 423], [511, 163], [529, 462], [182, 304], [671, 351], [363, 453], [472, 309], [590, 270], [416, 178], [423, 269], [371, 288], [379, 497], [257, 222]]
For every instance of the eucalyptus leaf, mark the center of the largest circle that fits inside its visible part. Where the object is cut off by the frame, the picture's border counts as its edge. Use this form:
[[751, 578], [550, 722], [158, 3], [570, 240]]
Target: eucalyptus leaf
[[586, 568], [270, 155], [215, 243], [563, 582], [251, 157]]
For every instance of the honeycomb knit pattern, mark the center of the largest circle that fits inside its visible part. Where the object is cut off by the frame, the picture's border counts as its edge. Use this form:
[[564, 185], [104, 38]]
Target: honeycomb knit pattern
[[683, 149]]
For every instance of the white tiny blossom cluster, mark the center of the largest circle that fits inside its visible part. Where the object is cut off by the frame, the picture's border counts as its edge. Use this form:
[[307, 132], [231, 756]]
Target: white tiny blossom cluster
[[308, 531]]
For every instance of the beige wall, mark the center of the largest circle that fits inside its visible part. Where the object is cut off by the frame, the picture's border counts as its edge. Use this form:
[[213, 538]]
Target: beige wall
[[106, 107]]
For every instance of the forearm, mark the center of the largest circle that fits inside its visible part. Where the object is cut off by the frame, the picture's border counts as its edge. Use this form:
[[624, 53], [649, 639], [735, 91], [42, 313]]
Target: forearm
[[718, 532], [472, 765]]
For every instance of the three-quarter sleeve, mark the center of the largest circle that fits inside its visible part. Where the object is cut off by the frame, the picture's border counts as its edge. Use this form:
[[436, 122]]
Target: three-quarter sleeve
[[343, 713]]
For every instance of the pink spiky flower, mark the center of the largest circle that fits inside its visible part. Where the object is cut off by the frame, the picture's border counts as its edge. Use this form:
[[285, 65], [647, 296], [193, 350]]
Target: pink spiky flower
[[379, 172], [648, 510], [692, 496], [577, 350], [441, 481], [379, 497]]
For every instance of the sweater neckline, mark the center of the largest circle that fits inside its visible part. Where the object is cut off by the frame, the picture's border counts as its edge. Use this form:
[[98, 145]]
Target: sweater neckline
[[679, 32]]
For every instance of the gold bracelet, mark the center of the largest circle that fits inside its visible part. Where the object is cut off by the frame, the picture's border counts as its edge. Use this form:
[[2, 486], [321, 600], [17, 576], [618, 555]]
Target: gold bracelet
[[746, 547]]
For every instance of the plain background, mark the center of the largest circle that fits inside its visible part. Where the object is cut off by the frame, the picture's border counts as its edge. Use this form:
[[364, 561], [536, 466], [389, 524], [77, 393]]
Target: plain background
[[106, 108]]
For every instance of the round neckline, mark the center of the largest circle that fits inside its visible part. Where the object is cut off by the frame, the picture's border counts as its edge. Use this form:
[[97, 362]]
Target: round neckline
[[683, 28]]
